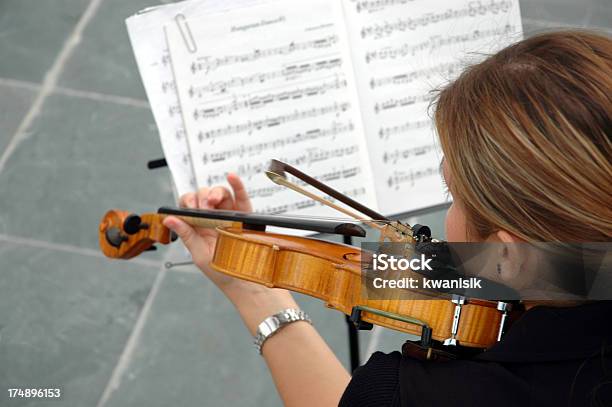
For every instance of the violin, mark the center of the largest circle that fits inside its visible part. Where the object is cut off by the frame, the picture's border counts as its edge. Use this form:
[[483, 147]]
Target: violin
[[331, 272]]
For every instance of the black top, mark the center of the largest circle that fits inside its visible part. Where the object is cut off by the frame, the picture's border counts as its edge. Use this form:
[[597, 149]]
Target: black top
[[549, 357]]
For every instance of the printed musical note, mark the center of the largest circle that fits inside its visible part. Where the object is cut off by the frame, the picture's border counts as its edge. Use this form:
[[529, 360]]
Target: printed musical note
[[174, 110], [168, 86], [165, 59], [180, 133]]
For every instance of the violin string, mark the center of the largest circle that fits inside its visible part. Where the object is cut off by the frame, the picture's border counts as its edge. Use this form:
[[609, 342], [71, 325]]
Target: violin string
[[389, 222], [335, 218]]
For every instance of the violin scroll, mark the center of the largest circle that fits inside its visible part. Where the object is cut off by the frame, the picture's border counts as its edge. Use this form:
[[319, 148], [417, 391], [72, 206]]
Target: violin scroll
[[123, 235]]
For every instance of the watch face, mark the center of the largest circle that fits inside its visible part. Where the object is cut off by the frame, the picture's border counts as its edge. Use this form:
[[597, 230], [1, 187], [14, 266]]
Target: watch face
[[268, 326]]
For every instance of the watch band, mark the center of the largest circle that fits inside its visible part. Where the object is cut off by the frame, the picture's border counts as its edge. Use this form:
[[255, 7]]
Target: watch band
[[275, 322]]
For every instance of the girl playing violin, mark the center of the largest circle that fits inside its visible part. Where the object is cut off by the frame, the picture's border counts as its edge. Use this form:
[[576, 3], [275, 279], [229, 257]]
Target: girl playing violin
[[528, 157]]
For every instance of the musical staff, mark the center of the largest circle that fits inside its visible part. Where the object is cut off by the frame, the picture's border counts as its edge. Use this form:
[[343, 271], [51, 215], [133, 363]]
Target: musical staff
[[292, 71], [396, 155], [208, 64], [251, 125], [257, 149], [434, 43], [307, 203], [443, 69], [386, 132], [248, 171], [401, 179], [377, 5], [473, 9], [275, 189], [262, 101], [394, 103], [264, 192]]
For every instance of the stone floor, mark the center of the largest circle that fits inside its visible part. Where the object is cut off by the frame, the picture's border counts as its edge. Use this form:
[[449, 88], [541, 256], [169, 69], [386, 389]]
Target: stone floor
[[75, 134]]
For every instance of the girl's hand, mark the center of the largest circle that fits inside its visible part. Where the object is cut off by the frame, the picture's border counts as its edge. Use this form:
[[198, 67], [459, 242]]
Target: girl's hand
[[201, 241]]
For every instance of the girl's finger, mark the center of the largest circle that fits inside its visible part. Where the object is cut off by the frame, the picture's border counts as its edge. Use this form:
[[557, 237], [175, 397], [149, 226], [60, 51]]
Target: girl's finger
[[243, 203], [188, 200]]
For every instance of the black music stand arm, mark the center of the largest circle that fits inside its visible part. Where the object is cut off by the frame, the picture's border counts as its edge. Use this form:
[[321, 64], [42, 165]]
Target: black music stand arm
[[158, 163], [353, 332]]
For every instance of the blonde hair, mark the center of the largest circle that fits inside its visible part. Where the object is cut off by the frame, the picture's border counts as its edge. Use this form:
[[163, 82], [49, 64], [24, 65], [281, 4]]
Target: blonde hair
[[526, 137]]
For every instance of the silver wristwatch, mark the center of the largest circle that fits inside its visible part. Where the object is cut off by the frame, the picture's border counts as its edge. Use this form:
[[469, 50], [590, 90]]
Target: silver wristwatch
[[273, 323]]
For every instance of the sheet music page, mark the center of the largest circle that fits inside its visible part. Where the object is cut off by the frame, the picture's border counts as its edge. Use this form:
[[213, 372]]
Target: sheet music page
[[401, 49], [272, 81], [153, 58]]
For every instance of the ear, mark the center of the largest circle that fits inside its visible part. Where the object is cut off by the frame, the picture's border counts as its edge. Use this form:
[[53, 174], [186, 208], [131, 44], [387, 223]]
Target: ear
[[511, 257]]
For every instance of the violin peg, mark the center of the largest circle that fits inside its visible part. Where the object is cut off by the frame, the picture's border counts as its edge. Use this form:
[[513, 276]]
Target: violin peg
[[132, 224], [123, 235], [114, 237]]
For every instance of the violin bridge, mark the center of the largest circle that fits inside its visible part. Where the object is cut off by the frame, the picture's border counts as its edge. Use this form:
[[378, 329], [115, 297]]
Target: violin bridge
[[396, 232]]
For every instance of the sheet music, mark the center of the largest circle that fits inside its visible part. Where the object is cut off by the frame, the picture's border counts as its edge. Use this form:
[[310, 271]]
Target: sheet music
[[272, 81], [401, 49], [152, 55]]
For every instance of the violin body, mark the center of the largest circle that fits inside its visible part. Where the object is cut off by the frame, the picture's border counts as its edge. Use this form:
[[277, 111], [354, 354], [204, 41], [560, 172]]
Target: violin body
[[331, 272]]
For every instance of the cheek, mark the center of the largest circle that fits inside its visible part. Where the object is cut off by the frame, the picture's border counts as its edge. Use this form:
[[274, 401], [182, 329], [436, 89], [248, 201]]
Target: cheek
[[455, 224]]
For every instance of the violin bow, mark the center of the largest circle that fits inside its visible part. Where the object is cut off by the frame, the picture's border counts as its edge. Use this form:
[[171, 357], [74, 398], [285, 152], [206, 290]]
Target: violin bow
[[276, 172]]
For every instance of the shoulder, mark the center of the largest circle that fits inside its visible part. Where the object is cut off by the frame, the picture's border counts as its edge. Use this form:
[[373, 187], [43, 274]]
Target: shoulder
[[376, 383], [392, 380], [462, 382]]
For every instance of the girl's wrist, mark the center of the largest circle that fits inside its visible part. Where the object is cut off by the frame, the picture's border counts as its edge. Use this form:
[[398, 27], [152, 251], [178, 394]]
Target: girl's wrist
[[255, 302]]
